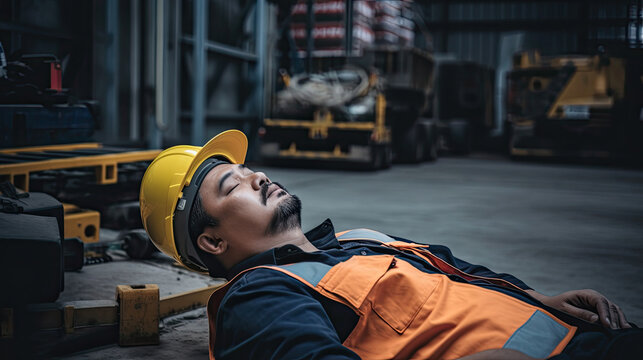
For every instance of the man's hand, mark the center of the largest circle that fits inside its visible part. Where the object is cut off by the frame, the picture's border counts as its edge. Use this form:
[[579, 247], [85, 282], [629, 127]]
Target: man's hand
[[589, 305]]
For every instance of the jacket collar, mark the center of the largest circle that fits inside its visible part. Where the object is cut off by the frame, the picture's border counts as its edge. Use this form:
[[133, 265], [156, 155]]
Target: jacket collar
[[322, 237]]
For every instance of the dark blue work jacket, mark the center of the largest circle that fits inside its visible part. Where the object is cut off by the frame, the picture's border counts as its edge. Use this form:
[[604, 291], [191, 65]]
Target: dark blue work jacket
[[269, 315]]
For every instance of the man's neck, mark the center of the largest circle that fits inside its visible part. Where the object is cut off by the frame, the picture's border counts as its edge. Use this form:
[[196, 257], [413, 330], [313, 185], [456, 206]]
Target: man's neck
[[293, 236]]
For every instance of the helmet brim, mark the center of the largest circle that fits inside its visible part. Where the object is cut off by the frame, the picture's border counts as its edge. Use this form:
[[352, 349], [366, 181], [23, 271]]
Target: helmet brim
[[230, 144]]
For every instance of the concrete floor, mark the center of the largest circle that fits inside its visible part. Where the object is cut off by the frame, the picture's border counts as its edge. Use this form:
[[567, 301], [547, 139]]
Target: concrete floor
[[557, 227]]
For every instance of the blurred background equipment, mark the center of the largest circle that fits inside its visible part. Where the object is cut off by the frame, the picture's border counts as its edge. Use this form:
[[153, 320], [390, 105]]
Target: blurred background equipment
[[463, 105], [361, 100], [573, 105]]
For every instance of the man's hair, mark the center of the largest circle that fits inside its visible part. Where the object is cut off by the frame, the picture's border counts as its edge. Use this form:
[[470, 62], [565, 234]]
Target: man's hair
[[199, 219], [197, 222]]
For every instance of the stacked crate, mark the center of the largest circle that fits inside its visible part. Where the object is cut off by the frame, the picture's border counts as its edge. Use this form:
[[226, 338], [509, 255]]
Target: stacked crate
[[393, 23], [329, 29]]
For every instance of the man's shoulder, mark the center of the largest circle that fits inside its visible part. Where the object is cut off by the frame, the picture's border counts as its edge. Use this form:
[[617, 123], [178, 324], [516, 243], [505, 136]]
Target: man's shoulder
[[264, 279]]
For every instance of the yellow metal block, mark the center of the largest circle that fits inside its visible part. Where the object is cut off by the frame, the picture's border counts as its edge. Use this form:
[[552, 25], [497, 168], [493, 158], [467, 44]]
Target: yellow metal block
[[81, 223], [68, 316], [6, 323], [139, 314]]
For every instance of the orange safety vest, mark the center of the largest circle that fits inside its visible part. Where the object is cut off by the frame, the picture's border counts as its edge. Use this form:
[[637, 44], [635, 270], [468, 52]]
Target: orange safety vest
[[405, 313]]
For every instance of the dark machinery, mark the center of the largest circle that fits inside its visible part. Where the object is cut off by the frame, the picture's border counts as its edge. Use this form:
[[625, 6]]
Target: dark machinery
[[353, 116], [574, 106], [462, 105]]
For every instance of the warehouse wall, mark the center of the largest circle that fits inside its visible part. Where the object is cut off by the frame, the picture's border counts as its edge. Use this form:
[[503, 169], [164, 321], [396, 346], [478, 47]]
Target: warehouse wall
[[472, 29], [489, 32]]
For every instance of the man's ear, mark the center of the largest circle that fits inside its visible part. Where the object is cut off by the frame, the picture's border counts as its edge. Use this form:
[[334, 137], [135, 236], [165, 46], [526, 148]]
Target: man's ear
[[211, 244]]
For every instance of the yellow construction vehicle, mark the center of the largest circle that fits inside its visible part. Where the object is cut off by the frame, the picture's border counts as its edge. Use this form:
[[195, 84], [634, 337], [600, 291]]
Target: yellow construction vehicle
[[569, 106], [360, 115]]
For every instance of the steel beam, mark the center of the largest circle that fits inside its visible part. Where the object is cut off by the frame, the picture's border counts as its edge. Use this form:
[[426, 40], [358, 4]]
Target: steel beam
[[260, 49], [35, 30], [198, 75], [186, 301], [106, 166], [63, 147], [218, 114], [135, 73], [310, 46], [111, 70], [223, 49], [348, 28]]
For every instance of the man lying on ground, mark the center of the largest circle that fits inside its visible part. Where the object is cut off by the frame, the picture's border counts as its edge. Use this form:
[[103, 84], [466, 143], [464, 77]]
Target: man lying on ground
[[355, 294]]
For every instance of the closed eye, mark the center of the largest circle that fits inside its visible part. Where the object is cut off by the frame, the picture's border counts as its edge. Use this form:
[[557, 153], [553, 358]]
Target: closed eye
[[234, 187]]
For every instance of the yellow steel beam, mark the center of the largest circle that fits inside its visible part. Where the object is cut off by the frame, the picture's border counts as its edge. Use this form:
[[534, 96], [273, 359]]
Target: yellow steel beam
[[381, 133], [61, 147], [76, 314], [309, 154], [106, 166], [178, 303], [311, 124]]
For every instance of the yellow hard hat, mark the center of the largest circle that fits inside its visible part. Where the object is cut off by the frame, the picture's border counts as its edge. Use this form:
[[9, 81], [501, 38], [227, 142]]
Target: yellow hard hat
[[170, 185]]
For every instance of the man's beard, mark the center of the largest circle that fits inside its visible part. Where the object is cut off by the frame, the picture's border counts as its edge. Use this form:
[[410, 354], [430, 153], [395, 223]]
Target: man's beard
[[287, 215]]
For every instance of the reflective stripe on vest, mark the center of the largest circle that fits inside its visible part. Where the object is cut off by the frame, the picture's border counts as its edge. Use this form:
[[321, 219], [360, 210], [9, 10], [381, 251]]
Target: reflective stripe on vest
[[419, 250], [363, 234], [311, 272]]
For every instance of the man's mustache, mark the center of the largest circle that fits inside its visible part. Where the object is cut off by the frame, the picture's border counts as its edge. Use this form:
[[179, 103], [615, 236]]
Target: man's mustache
[[264, 191]]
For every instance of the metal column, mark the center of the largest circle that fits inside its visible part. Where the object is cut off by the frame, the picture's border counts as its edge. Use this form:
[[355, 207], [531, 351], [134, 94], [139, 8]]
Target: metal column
[[310, 24], [111, 71], [260, 48], [135, 73], [153, 132], [260, 64], [199, 54], [348, 28]]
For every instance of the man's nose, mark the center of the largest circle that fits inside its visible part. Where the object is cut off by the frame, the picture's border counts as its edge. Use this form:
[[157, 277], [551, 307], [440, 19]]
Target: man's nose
[[259, 179]]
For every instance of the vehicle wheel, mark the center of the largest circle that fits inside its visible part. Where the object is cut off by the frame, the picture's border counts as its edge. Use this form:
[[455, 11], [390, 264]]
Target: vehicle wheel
[[388, 156], [431, 147], [381, 157], [460, 134], [137, 244], [413, 146]]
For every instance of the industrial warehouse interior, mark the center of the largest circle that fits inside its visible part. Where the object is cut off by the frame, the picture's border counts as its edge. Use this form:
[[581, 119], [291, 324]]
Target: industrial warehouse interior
[[439, 133]]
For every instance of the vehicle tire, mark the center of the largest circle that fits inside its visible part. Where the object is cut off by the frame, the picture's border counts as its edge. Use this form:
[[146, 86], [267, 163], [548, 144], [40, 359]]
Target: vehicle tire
[[381, 157], [431, 146], [413, 146], [460, 136], [388, 156]]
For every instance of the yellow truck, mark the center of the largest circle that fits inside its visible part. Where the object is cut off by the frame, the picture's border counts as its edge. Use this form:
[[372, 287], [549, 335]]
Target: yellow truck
[[573, 106], [360, 116]]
